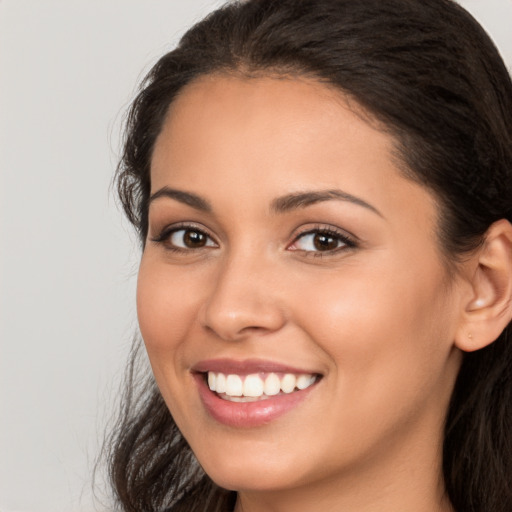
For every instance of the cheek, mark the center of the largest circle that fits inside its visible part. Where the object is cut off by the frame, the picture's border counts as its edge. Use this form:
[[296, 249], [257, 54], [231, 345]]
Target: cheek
[[166, 302], [388, 334], [388, 339], [164, 309]]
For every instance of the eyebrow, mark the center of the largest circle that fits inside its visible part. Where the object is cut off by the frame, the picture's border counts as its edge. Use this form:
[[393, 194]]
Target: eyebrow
[[187, 198], [281, 204], [303, 199]]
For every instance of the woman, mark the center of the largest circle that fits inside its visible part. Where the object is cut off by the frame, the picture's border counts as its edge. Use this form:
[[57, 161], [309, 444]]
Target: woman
[[323, 193]]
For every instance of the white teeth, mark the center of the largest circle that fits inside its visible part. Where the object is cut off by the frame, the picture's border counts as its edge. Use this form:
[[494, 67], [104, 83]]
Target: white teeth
[[234, 386], [288, 383], [212, 380], [257, 386], [220, 385], [253, 386], [304, 381], [272, 385]]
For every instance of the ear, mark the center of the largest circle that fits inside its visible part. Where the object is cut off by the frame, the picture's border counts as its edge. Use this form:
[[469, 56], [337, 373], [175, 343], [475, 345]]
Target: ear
[[488, 308]]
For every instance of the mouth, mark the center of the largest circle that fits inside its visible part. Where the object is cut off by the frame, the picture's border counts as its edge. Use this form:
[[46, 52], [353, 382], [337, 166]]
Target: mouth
[[257, 386], [251, 393]]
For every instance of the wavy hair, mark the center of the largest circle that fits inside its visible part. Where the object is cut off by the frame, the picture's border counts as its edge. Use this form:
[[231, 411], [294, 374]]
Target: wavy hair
[[430, 74]]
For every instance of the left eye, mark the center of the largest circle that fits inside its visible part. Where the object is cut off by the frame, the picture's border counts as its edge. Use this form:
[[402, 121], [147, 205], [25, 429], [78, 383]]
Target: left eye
[[190, 239], [319, 241]]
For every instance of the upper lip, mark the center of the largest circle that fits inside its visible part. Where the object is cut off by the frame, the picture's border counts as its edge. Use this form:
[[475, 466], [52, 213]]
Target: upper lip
[[246, 367]]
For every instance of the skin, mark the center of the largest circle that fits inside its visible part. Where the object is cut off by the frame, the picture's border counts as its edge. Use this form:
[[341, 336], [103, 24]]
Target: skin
[[377, 320]]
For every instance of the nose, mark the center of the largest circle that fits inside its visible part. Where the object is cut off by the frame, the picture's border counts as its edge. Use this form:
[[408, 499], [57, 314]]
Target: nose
[[243, 300]]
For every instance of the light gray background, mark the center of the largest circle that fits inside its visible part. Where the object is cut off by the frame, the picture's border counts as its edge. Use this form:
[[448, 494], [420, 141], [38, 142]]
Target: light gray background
[[68, 68]]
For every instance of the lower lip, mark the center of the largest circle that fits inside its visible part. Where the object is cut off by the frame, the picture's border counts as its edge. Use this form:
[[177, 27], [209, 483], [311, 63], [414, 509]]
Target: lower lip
[[248, 414]]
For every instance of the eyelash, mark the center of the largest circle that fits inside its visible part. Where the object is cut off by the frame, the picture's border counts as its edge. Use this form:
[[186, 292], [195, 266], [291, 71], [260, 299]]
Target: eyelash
[[165, 235], [347, 241]]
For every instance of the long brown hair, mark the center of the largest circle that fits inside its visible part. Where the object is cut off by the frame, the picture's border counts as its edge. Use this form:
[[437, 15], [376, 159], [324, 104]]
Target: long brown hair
[[431, 75]]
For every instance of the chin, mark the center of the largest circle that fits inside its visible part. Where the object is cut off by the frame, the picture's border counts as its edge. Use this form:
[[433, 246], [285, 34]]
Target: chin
[[261, 473], [253, 479]]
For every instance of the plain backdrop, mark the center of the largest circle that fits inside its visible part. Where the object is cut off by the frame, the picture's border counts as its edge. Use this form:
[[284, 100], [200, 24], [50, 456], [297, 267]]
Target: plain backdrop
[[68, 260]]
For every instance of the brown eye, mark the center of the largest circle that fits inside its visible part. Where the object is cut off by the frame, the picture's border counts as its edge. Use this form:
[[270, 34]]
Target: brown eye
[[321, 241], [190, 239], [325, 242], [194, 239]]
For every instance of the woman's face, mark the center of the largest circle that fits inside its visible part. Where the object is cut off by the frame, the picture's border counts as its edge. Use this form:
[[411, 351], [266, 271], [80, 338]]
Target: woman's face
[[286, 251]]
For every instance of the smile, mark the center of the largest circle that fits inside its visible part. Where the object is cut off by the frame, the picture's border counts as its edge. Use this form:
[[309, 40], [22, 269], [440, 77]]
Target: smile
[[257, 386], [251, 393]]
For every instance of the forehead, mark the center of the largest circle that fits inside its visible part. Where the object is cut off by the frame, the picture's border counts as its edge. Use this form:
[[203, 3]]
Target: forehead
[[253, 139], [266, 121]]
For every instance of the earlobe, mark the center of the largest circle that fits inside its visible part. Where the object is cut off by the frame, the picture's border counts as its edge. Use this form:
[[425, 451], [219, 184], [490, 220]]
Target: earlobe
[[489, 309]]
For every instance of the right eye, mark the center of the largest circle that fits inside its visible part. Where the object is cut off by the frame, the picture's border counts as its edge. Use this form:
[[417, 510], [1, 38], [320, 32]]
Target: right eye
[[185, 238]]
